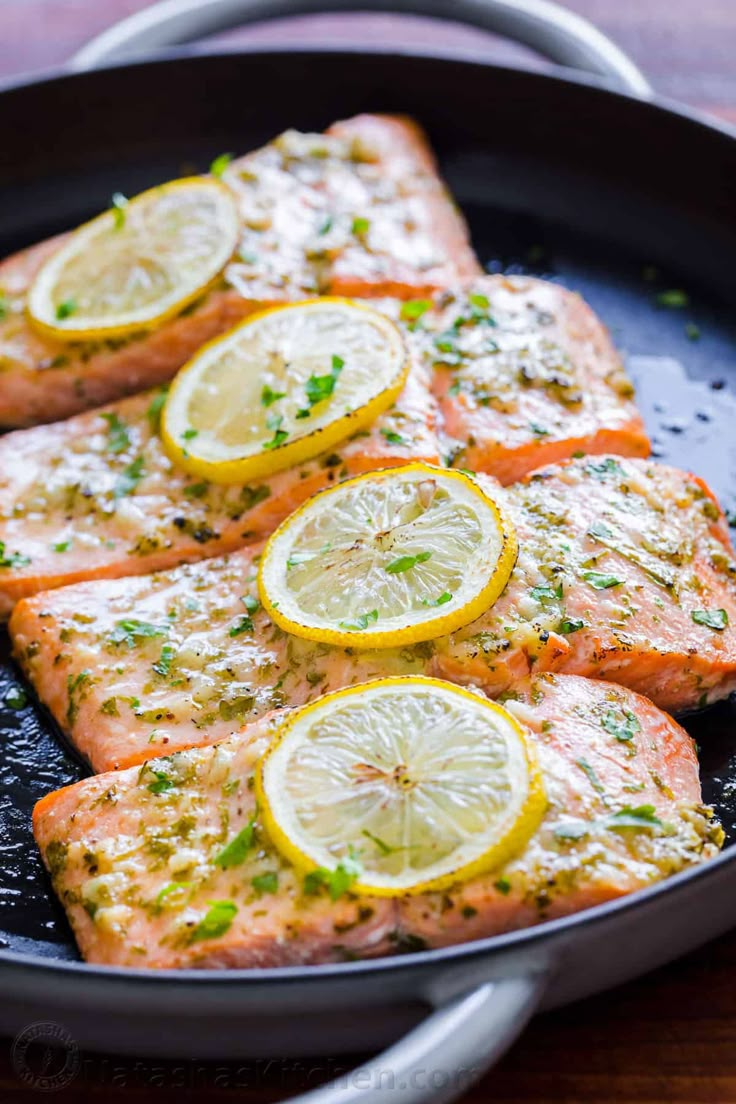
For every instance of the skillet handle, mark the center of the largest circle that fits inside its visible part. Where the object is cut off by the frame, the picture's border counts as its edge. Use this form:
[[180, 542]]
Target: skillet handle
[[560, 35], [442, 1057]]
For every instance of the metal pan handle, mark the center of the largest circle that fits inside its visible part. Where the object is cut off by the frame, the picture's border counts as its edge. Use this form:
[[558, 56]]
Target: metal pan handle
[[560, 35], [444, 1055]]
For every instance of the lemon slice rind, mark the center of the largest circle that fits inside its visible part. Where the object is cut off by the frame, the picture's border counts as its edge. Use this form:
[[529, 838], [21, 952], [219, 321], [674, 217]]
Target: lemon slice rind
[[425, 783], [188, 260], [330, 543]]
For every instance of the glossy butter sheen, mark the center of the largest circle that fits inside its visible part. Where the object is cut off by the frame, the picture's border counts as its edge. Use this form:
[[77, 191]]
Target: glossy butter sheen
[[229, 663], [359, 210], [137, 857]]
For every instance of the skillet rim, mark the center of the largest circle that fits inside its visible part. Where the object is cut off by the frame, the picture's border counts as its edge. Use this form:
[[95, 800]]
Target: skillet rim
[[522, 938], [464, 56]]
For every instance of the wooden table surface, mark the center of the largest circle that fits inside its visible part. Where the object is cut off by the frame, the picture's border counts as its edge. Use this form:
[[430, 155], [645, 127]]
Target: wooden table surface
[[670, 1037]]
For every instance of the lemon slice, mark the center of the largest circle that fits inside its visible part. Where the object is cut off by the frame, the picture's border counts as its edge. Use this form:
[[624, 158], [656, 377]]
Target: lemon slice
[[401, 785], [137, 264], [389, 558], [281, 387]]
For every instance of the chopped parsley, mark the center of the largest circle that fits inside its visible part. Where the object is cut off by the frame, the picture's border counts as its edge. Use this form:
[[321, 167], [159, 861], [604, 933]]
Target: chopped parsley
[[546, 592], [155, 407], [319, 388], [360, 227], [245, 624], [163, 667], [16, 698], [713, 619], [692, 331], [189, 434], [406, 563], [673, 299], [273, 422], [394, 438], [337, 881], [622, 724], [66, 309], [129, 478], [215, 922], [362, 621], [196, 490], [296, 558], [269, 396], [62, 546], [590, 775], [118, 203], [236, 851], [220, 163], [76, 688], [443, 599], [266, 883], [503, 885], [570, 625], [118, 434], [131, 632], [413, 310], [641, 816], [600, 581], [12, 559], [161, 782]]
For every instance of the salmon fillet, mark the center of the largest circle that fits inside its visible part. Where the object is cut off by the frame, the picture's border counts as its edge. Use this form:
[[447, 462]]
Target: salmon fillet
[[97, 497], [133, 667], [625, 572], [168, 865], [358, 210], [228, 663], [526, 375], [609, 758]]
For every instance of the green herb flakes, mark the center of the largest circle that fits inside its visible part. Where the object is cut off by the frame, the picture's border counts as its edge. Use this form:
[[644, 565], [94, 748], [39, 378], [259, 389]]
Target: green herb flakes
[[716, 619], [236, 851], [216, 921], [406, 563], [220, 163]]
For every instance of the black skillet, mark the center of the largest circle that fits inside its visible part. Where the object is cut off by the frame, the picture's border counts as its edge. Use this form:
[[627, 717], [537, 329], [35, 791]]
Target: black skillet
[[562, 176]]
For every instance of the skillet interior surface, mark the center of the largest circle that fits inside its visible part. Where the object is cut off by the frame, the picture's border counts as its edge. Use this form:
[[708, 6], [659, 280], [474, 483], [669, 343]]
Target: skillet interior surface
[[613, 198]]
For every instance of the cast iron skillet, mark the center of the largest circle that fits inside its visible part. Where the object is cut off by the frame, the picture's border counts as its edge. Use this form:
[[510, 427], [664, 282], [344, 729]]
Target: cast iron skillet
[[562, 176]]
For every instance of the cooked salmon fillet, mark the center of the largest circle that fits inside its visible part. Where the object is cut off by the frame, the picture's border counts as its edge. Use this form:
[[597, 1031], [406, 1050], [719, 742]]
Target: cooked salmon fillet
[[625, 572], [97, 497], [642, 609], [134, 667], [168, 865], [624, 811], [358, 210], [526, 375]]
